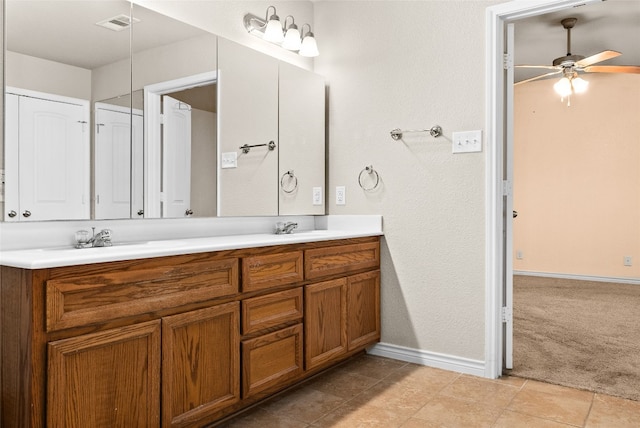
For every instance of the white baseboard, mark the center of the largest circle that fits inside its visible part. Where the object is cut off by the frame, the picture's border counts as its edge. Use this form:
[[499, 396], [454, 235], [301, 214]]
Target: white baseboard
[[430, 359], [579, 277]]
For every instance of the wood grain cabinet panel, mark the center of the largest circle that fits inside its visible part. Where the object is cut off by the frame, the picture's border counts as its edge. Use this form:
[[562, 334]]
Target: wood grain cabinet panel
[[340, 260], [325, 322], [97, 297], [106, 379], [264, 312], [363, 309], [271, 270], [200, 364], [272, 359]]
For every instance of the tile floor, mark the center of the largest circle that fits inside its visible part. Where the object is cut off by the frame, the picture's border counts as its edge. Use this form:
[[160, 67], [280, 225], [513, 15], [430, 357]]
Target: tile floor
[[379, 392]]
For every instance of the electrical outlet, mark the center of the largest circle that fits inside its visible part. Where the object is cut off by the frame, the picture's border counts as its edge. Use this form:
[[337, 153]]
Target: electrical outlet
[[341, 195], [317, 196], [628, 261], [519, 255], [467, 141]]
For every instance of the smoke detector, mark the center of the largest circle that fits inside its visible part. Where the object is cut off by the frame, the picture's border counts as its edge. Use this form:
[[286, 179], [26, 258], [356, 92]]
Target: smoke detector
[[118, 23]]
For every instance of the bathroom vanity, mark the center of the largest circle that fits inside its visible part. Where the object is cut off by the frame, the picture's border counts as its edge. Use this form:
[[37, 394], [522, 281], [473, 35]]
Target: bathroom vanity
[[183, 339]]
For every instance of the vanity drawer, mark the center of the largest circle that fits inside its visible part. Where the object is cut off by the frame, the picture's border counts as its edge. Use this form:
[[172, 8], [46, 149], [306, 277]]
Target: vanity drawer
[[271, 270], [320, 262], [99, 296], [263, 312], [271, 360]]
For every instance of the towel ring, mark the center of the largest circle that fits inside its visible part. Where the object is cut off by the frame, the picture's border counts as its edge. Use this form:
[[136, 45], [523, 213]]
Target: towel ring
[[293, 178], [373, 173]]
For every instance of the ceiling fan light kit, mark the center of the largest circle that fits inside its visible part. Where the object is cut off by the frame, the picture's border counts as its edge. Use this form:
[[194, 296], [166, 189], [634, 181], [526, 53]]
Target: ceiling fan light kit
[[570, 65]]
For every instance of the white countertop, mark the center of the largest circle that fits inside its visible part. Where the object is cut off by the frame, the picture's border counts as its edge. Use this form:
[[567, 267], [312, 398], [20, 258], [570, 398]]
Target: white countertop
[[48, 257]]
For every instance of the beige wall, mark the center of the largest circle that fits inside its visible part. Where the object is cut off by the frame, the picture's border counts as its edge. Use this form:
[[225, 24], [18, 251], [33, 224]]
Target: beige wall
[[37, 74], [203, 163], [413, 65], [576, 178]]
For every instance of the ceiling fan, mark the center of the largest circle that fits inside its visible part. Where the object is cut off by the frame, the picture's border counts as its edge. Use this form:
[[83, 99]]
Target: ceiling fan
[[570, 64]]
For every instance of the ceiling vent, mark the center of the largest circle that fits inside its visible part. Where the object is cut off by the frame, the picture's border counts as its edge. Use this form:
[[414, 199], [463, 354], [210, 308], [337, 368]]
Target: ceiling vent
[[118, 23]]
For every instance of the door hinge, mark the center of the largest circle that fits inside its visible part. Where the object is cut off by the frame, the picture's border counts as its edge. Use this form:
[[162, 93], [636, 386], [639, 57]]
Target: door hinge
[[507, 61], [507, 188], [161, 119], [506, 314]]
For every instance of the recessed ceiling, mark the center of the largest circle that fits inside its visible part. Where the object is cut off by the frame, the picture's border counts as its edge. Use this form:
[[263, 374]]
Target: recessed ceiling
[[608, 25]]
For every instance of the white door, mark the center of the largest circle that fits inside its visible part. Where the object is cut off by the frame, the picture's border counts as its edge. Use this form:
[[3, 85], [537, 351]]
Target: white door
[[507, 304], [176, 158], [12, 180], [137, 162], [118, 164], [112, 162], [53, 160]]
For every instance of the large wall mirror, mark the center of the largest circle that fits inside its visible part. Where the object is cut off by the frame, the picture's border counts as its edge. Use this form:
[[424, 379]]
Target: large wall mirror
[[112, 112], [76, 76]]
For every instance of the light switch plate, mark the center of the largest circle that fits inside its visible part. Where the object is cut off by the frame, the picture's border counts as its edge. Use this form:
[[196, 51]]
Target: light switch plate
[[467, 141], [317, 196], [229, 160]]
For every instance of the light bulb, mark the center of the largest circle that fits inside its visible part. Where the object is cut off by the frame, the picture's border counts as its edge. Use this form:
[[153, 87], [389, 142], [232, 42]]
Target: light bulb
[[579, 85], [563, 87], [309, 46], [273, 32], [292, 39]]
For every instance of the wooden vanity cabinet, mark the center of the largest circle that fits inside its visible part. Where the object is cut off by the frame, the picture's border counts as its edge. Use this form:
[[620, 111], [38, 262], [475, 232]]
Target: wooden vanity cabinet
[[181, 341]]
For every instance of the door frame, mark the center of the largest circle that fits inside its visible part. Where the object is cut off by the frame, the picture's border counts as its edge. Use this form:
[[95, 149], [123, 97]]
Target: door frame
[[153, 134], [495, 149]]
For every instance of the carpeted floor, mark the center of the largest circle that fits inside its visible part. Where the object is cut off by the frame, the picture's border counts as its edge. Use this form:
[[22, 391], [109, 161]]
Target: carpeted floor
[[582, 334]]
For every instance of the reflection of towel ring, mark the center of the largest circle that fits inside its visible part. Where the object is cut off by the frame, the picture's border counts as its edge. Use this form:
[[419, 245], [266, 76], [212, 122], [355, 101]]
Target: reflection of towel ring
[[373, 173], [293, 178]]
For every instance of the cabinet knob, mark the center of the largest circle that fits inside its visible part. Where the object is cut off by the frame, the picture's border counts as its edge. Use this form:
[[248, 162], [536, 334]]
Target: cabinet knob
[[26, 213], [12, 214], [140, 212], [188, 212]]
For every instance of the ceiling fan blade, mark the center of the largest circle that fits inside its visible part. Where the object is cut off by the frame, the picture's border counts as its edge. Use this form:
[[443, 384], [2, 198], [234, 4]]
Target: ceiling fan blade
[[537, 77], [634, 69], [548, 67], [599, 57]]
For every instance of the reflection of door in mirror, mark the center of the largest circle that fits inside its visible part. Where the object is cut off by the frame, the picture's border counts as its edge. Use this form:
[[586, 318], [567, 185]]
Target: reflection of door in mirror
[[113, 166], [180, 119], [47, 156], [176, 158]]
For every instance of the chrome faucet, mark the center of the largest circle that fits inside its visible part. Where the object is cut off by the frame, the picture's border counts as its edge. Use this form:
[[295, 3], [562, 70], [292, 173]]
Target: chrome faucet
[[100, 239], [285, 228]]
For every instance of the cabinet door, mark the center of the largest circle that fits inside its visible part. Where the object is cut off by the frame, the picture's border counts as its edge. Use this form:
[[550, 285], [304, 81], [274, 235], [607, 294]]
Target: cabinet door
[[106, 379], [248, 106], [363, 309], [302, 141], [325, 326], [200, 363], [271, 360]]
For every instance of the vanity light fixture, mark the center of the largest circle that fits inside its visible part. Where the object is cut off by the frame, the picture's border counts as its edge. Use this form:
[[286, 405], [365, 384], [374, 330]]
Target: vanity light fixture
[[270, 29], [309, 46], [292, 39], [273, 31]]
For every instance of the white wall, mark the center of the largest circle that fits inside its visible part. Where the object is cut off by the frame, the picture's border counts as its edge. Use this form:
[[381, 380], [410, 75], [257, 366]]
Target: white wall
[[413, 65]]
